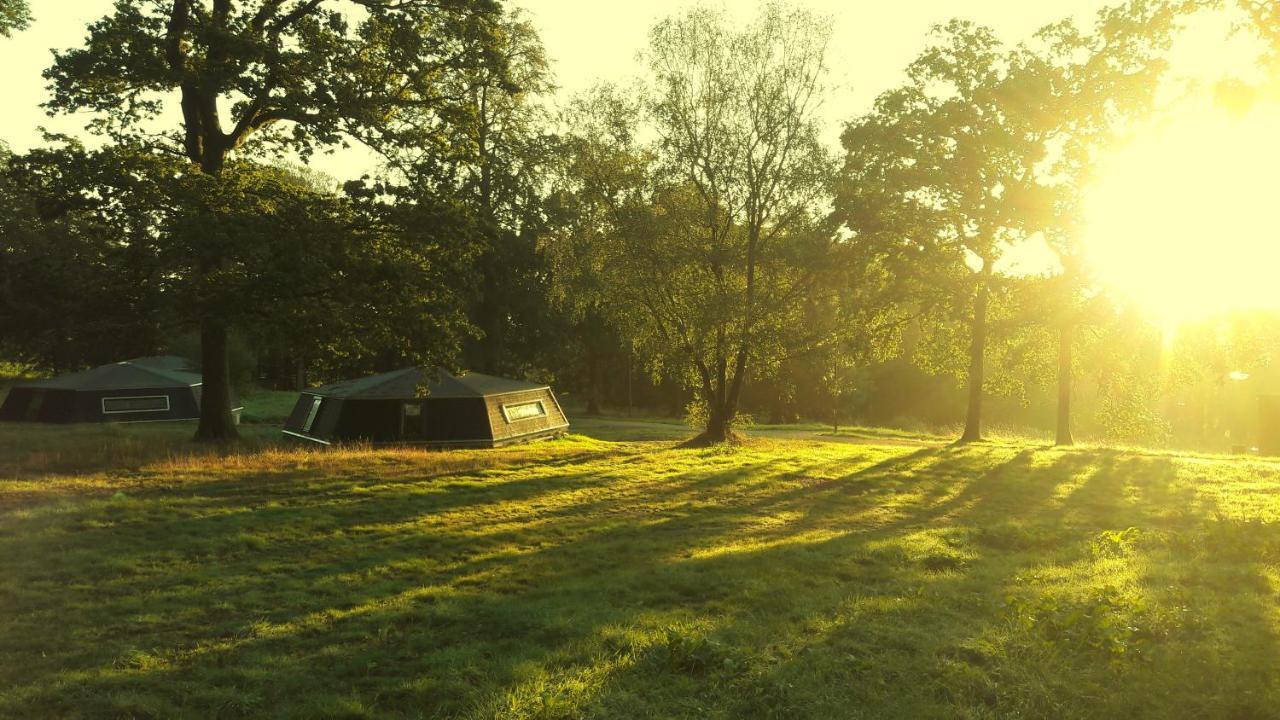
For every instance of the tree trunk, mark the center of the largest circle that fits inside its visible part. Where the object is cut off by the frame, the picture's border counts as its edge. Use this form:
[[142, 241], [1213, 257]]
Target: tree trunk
[[593, 389], [299, 375], [977, 356], [1065, 338], [717, 430], [631, 356], [216, 421]]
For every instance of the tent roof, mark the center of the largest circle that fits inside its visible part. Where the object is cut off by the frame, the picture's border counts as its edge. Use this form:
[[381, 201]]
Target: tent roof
[[153, 372], [164, 362], [418, 382]]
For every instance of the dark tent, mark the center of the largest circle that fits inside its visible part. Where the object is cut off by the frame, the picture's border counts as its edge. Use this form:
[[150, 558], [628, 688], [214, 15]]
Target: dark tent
[[147, 389], [430, 407]]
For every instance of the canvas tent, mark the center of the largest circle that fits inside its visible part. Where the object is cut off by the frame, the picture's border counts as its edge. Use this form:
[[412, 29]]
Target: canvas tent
[[427, 406], [146, 389]]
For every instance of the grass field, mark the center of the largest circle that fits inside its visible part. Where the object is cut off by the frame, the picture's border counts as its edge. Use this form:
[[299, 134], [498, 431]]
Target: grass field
[[590, 578]]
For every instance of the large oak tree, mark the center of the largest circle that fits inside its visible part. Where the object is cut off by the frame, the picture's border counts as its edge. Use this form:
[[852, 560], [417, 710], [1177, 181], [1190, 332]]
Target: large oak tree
[[987, 148], [295, 75], [937, 169]]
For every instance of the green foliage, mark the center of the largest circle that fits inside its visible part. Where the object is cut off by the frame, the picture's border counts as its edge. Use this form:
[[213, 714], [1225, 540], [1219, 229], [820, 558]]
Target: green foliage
[[1115, 543], [265, 76], [706, 245], [697, 416], [1108, 622], [14, 15], [299, 266], [76, 288], [987, 148], [489, 148], [296, 75]]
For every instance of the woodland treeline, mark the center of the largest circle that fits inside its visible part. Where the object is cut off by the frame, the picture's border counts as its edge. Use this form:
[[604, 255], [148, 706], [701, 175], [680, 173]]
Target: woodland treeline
[[688, 242]]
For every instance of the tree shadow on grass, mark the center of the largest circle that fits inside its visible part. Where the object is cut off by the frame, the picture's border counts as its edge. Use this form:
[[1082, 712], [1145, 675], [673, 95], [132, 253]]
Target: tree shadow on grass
[[578, 591]]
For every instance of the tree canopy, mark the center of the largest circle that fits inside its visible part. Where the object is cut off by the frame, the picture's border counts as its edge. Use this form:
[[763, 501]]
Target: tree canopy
[[288, 75], [14, 15], [708, 242], [688, 238]]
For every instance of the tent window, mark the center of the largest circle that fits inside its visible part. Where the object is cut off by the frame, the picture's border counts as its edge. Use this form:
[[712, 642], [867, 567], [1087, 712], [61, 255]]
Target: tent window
[[524, 411], [141, 403], [311, 414], [33, 407]]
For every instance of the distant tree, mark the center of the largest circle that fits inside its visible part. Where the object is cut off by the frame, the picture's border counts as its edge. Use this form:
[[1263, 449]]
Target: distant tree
[[281, 75], [14, 15], [1123, 353], [490, 147], [987, 148], [939, 167], [1077, 94], [304, 269], [75, 289], [707, 242]]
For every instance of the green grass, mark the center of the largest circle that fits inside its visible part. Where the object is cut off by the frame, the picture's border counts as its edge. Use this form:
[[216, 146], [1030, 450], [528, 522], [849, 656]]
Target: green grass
[[641, 427], [267, 406], [586, 578]]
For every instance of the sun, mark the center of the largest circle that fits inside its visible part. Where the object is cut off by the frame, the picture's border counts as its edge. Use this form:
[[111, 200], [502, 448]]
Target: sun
[[1184, 220]]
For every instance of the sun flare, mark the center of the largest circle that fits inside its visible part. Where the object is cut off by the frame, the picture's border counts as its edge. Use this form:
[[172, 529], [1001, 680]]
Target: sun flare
[[1185, 221]]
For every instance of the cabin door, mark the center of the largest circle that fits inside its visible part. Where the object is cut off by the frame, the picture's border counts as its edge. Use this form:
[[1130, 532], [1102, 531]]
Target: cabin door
[[412, 419]]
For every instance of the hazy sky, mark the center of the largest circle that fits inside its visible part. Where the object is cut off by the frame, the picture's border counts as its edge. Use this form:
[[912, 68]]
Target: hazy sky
[[587, 40]]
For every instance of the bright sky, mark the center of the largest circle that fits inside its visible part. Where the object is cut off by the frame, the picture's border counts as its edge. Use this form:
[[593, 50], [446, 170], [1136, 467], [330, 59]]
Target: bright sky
[[588, 40]]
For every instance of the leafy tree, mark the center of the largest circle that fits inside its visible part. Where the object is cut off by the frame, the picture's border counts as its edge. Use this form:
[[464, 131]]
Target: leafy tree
[[986, 148], [1123, 354], [14, 15], [1077, 93], [276, 74], [941, 168], [488, 147], [75, 287], [306, 270], [706, 242], [1265, 15]]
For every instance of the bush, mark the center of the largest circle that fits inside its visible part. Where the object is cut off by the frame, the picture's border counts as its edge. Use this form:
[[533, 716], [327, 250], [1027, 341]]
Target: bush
[[696, 415]]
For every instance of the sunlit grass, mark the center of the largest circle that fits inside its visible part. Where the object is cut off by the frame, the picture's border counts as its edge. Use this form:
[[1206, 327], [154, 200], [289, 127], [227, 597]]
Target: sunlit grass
[[587, 578]]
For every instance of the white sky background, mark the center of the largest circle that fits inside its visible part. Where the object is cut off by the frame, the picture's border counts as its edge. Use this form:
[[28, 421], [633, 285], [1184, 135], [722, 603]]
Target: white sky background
[[587, 41]]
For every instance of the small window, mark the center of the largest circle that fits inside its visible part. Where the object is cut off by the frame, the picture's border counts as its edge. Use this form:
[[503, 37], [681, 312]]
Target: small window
[[412, 410], [524, 411], [144, 403], [311, 414]]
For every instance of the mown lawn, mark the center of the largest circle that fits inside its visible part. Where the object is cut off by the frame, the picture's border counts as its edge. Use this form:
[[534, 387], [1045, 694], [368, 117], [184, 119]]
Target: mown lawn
[[586, 578]]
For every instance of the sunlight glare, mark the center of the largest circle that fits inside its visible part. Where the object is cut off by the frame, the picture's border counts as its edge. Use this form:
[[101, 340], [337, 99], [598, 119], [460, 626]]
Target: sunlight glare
[[1184, 220]]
